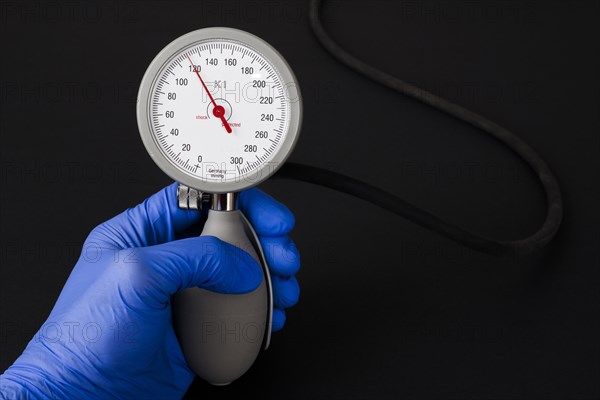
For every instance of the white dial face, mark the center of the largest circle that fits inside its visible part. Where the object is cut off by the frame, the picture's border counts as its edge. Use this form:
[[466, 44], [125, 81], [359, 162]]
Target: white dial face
[[219, 111]]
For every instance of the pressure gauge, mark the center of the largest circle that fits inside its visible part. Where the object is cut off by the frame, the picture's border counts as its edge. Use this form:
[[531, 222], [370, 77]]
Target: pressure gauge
[[219, 110]]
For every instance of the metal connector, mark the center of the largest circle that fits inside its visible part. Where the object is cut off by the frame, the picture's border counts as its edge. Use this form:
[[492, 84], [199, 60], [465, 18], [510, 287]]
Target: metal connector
[[191, 199], [224, 202]]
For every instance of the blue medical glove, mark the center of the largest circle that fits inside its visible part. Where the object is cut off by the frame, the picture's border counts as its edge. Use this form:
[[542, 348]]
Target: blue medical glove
[[110, 333]]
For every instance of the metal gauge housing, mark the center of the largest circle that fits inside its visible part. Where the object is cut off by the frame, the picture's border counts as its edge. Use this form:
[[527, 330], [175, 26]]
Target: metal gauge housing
[[219, 110]]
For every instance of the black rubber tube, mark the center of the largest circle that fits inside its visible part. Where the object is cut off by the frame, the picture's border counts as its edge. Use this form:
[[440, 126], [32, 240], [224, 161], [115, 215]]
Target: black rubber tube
[[365, 191]]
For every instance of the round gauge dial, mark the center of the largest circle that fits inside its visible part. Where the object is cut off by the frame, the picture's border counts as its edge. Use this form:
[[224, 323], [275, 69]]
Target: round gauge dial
[[219, 110]]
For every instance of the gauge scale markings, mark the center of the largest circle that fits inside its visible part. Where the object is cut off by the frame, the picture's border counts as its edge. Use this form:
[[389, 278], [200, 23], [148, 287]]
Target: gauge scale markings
[[180, 111]]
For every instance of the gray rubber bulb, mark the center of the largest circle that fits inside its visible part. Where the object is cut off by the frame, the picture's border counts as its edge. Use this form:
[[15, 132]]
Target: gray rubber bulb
[[221, 335]]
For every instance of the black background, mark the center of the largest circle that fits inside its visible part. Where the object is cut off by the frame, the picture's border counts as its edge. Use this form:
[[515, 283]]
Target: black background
[[387, 309]]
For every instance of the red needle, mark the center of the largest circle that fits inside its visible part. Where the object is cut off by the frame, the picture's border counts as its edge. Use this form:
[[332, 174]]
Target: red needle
[[218, 111]]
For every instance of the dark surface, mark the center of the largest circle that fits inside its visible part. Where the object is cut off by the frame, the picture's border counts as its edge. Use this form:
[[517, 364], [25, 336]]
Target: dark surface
[[387, 310]]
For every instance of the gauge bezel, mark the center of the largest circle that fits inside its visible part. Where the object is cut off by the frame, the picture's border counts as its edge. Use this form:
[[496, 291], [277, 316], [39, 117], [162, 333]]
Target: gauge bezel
[[144, 113]]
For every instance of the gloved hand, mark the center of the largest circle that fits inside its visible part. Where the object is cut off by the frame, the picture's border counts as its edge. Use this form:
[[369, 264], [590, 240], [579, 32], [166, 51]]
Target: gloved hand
[[110, 333]]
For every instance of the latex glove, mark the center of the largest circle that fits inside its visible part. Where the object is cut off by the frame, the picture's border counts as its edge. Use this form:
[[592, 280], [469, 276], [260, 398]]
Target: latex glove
[[110, 333]]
